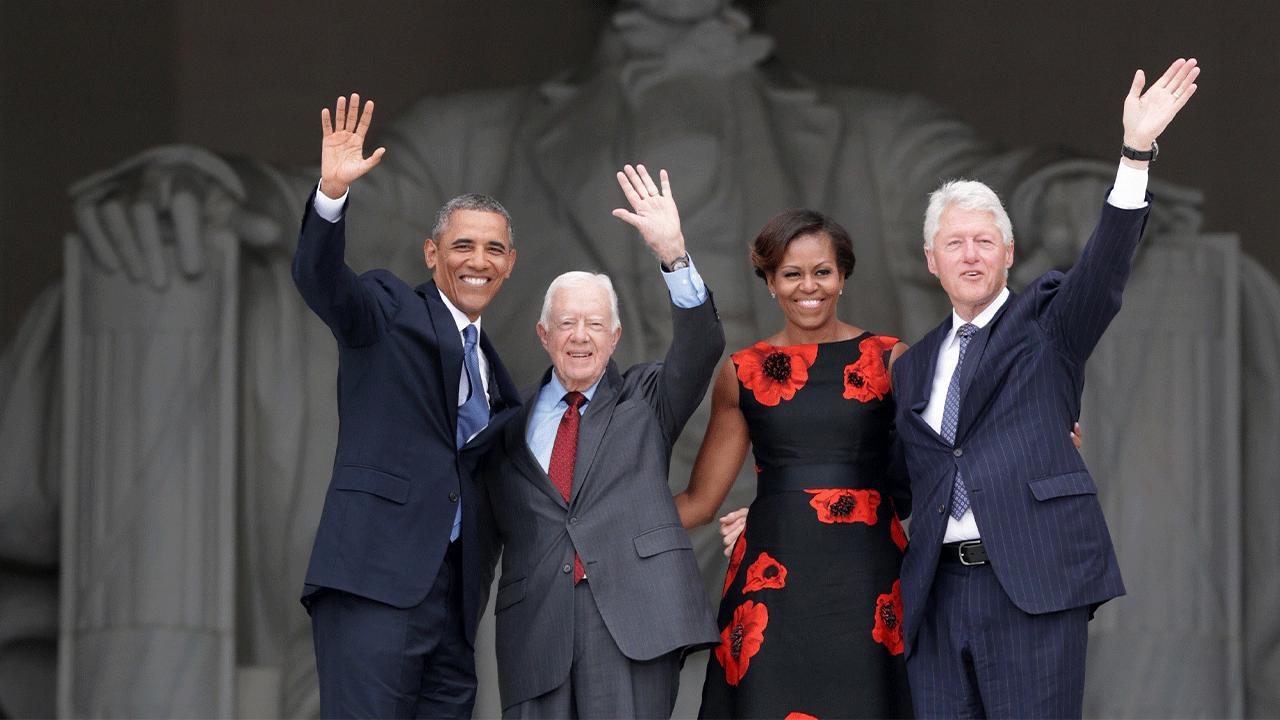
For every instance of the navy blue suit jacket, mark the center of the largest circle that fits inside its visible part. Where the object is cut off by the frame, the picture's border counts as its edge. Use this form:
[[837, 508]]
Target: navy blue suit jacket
[[397, 473], [1023, 374]]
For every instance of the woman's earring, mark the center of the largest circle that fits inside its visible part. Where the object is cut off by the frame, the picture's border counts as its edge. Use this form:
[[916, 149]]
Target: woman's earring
[[773, 295]]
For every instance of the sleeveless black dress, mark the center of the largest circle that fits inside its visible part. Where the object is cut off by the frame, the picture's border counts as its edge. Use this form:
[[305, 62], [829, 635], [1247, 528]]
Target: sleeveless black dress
[[811, 617]]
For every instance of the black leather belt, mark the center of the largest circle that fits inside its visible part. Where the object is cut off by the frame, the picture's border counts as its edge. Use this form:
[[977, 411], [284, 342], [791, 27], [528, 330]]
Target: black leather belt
[[969, 552]]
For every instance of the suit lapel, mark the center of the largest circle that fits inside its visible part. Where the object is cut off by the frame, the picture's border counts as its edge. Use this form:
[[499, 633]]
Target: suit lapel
[[517, 445], [930, 346], [594, 424], [450, 344]]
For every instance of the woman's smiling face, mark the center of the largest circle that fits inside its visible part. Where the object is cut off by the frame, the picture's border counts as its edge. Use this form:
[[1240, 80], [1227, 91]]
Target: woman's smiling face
[[808, 282]]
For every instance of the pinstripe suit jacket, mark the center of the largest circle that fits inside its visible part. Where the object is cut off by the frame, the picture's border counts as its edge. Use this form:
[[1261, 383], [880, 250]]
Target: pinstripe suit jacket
[[622, 521], [1020, 386]]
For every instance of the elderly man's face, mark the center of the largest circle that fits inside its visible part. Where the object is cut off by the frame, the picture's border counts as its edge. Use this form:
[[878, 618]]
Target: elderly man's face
[[581, 336], [970, 257]]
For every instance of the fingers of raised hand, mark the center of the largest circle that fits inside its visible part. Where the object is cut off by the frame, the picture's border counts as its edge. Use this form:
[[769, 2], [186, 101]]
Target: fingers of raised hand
[[650, 188], [632, 186], [363, 126]]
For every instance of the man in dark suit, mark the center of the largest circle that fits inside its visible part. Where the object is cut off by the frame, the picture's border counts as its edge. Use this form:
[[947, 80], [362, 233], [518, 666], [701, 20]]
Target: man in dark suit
[[600, 591], [1009, 551], [394, 585]]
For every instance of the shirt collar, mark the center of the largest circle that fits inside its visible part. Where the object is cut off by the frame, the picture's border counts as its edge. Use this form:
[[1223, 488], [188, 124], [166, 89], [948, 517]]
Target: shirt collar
[[555, 389], [983, 317], [459, 317]]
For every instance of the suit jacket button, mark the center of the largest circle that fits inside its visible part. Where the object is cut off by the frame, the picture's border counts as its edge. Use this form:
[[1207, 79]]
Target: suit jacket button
[[453, 497], [957, 452], [942, 509], [568, 568], [573, 520]]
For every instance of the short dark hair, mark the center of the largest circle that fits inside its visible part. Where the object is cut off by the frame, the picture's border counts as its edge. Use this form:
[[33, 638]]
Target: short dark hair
[[771, 244], [471, 201]]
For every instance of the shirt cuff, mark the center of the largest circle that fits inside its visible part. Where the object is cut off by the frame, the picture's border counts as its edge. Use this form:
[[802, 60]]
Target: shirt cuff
[[327, 207], [686, 286], [1130, 191]]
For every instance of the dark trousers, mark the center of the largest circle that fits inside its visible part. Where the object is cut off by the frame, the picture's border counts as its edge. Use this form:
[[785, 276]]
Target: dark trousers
[[602, 682], [379, 661], [978, 655]]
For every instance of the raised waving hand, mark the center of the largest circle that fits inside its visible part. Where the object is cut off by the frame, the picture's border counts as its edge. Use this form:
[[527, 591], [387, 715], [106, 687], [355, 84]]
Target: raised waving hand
[[342, 157], [1147, 114], [653, 212]]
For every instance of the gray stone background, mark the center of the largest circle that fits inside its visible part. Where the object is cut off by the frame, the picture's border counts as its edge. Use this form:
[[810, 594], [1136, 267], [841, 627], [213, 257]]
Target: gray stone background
[[85, 85]]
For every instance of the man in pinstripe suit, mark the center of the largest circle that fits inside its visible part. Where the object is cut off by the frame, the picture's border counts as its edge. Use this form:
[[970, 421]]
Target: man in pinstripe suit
[[600, 591], [1009, 551]]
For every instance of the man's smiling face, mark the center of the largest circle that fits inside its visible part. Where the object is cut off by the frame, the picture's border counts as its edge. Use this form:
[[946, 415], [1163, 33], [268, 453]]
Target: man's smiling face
[[471, 258]]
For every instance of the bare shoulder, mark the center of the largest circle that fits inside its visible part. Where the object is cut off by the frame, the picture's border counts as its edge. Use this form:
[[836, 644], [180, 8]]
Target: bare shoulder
[[725, 393]]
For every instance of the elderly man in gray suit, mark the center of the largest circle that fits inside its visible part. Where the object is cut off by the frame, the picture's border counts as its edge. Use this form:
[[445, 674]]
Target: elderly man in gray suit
[[600, 592]]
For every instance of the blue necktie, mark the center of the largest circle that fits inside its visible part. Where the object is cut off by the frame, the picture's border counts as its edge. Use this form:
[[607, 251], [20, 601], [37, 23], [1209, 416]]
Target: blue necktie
[[473, 414], [951, 416]]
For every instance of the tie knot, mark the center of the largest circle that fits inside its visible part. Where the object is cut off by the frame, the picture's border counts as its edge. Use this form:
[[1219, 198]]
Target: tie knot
[[575, 398], [469, 335], [967, 330]]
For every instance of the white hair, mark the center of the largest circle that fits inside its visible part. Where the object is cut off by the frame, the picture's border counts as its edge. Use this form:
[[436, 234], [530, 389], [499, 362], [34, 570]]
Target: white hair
[[966, 195], [578, 278]]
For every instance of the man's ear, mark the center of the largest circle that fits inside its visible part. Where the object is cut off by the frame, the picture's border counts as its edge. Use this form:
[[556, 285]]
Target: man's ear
[[617, 333], [510, 265], [429, 253], [542, 335], [1008, 263], [928, 256]]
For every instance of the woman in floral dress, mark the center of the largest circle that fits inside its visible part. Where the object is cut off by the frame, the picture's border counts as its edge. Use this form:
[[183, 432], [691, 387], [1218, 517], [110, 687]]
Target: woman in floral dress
[[811, 612]]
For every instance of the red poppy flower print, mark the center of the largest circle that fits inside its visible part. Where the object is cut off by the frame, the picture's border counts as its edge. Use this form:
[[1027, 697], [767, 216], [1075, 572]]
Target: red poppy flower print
[[765, 572], [774, 374], [739, 549], [741, 639], [899, 535], [888, 629], [799, 716], [868, 378], [845, 505]]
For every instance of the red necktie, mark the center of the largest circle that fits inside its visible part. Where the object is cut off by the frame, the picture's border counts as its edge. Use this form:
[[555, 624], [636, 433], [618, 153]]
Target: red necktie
[[563, 454]]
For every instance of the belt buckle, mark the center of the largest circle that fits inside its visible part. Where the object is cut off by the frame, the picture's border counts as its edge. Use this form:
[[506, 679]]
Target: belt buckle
[[965, 545]]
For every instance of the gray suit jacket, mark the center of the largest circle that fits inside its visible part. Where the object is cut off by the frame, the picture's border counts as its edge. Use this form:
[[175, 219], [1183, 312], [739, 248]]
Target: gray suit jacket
[[622, 521]]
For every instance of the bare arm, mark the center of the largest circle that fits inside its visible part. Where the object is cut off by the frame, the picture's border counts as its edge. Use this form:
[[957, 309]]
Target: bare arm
[[724, 447]]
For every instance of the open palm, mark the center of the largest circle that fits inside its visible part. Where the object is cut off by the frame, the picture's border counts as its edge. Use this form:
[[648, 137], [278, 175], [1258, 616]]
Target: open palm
[[342, 157], [1146, 114]]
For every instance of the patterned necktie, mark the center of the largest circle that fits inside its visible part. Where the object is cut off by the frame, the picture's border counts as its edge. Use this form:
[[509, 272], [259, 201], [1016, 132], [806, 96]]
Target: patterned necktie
[[563, 454], [951, 416], [473, 414]]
